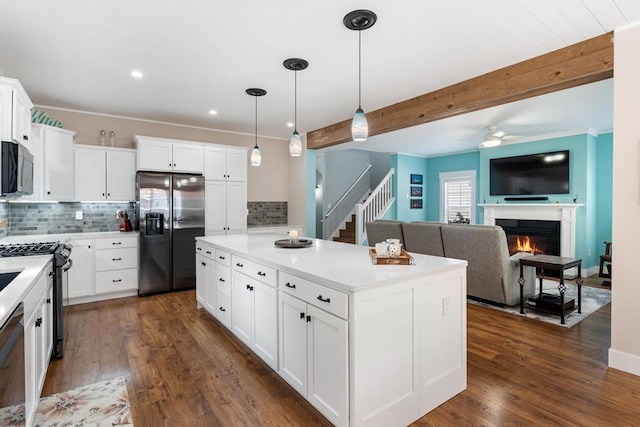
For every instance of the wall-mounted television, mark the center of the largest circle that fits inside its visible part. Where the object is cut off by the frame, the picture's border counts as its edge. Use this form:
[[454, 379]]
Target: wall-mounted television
[[542, 173]]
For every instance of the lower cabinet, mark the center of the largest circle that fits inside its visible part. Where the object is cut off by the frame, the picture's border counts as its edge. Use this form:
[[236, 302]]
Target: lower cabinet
[[81, 274], [205, 282]]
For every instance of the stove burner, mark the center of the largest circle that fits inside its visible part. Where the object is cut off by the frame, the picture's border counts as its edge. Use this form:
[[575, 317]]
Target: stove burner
[[19, 249]]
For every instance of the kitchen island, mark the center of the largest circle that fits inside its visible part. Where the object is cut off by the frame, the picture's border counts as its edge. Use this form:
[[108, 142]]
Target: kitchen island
[[365, 344]]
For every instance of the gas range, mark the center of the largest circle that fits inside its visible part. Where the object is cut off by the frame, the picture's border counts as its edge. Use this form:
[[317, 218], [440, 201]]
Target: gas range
[[21, 249]]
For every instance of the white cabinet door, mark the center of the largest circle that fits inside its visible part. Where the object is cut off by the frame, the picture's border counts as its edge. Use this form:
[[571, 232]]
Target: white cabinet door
[[265, 323], [81, 275], [328, 365], [215, 193], [121, 175], [236, 207], [211, 297], [5, 113], [58, 163], [155, 155], [236, 164], [242, 307], [90, 174], [215, 163], [21, 117], [293, 342], [30, 362], [188, 158], [201, 280]]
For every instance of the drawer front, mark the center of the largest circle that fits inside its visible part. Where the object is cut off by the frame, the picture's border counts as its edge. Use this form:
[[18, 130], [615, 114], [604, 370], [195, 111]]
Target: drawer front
[[223, 257], [223, 310], [113, 243], [327, 299], [206, 250], [223, 280], [116, 281], [240, 264], [116, 259], [254, 270]]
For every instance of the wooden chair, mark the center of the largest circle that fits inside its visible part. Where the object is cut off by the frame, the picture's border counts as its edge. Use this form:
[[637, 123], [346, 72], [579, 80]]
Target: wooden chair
[[605, 264]]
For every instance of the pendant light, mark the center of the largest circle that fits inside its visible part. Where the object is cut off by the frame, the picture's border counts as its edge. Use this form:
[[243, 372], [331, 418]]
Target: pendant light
[[295, 143], [359, 20], [256, 157]]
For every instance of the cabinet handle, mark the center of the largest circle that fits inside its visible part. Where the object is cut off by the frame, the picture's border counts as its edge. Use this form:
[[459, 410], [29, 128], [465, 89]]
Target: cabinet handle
[[169, 164], [323, 299], [116, 243], [109, 194], [38, 322], [51, 273], [102, 194], [250, 287], [302, 315], [221, 257], [116, 259], [48, 192], [239, 265], [209, 252], [48, 300], [25, 137], [260, 273], [199, 249], [222, 309], [116, 280], [203, 263], [290, 285], [221, 280], [308, 318], [174, 165]]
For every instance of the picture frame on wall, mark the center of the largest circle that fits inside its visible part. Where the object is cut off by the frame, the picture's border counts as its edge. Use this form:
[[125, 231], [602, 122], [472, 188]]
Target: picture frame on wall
[[416, 191], [416, 179], [416, 203]]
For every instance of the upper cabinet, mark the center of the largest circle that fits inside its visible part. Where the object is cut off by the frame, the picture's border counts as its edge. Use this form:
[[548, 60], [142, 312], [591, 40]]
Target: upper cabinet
[[53, 174], [225, 164], [166, 155], [104, 173], [15, 111]]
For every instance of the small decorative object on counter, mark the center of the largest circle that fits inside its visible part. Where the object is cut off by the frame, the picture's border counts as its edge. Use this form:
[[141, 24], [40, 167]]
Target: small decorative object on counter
[[293, 236], [102, 139], [112, 138], [125, 224], [378, 259]]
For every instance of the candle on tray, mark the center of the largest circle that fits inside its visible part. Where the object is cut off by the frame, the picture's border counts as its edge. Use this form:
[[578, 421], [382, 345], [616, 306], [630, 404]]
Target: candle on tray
[[293, 235]]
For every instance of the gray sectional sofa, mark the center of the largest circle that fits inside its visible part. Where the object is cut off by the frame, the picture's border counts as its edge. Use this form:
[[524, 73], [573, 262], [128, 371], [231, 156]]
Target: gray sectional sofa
[[492, 275]]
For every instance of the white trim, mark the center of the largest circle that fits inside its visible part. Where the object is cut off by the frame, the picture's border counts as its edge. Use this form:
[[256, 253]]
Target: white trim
[[624, 361], [458, 175]]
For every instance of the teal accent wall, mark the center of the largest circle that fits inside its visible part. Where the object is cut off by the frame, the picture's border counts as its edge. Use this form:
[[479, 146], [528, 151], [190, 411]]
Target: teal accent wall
[[310, 201], [451, 163], [405, 166], [604, 190]]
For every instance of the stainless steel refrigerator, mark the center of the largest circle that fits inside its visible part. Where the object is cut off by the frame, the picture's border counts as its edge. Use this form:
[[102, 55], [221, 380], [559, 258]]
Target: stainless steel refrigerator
[[170, 214]]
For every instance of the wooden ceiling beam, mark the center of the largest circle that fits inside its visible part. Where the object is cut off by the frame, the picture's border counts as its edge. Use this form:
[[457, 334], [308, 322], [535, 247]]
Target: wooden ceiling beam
[[585, 62]]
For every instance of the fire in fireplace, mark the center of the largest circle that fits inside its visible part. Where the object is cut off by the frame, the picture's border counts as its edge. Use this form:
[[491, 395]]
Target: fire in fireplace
[[534, 236]]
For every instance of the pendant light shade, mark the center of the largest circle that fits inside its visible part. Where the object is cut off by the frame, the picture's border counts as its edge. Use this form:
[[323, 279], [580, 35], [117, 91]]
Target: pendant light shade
[[295, 142], [256, 156], [359, 20]]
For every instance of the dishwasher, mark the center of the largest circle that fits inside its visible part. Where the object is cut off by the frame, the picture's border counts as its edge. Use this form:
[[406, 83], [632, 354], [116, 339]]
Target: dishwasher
[[12, 369]]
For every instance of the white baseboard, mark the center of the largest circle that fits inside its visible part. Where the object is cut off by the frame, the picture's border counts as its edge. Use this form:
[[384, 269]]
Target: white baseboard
[[624, 361], [102, 297]]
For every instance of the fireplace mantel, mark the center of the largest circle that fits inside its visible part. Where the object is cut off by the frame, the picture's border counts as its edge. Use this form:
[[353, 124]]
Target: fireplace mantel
[[563, 212]]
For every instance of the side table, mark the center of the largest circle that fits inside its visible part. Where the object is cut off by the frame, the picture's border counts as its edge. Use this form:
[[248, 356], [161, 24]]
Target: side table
[[556, 263]]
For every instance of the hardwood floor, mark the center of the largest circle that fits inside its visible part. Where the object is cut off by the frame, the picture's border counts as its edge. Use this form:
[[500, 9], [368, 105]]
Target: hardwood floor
[[184, 369]]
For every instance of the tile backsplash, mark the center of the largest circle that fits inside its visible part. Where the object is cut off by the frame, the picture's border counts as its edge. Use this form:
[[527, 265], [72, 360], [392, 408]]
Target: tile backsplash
[[60, 218], [4, 220], [267, 213]]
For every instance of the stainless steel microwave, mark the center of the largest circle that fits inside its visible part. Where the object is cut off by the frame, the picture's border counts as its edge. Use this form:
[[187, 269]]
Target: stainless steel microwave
[[16, 173]]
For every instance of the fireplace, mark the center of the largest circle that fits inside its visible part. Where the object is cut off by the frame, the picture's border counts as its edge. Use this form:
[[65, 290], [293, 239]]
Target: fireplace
[[535, 236]]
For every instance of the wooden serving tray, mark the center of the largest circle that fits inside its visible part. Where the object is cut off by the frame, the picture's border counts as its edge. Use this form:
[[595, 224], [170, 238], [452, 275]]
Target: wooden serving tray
[[403, 259]]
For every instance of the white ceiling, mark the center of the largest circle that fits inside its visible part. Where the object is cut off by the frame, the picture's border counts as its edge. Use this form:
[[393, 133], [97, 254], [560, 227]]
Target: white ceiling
[[198, 55]]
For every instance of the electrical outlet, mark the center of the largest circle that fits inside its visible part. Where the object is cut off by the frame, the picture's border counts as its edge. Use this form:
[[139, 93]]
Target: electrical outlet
[[446, 305], [78, 214]]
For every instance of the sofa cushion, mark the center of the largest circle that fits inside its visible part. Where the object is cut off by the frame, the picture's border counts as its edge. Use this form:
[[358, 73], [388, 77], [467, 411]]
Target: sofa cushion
[[423, 237], [383, 229]]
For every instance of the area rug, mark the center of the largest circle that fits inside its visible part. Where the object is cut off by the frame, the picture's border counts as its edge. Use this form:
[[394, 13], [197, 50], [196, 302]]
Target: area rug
[[592, 300], [101, 404]]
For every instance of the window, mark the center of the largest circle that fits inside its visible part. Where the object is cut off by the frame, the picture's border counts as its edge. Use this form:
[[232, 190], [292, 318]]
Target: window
[[457, 196]]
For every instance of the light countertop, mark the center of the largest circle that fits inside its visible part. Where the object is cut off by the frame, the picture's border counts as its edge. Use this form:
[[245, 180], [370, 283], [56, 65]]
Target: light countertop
[[338, 265], [65, 237], [30, 267]]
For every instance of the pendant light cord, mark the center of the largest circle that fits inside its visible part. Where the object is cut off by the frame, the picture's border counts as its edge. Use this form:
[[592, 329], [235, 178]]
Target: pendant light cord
[[256, 121], [295, 100], [359, 68]]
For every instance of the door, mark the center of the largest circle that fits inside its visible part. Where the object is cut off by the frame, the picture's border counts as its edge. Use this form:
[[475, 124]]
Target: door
[[188, 158], [242, 307], [215, 163], [81, 275], [154, 207], [202, 285], [293, 342], [121, 175], [90, 174], [57, 147], [155, 156], [215, 196], [265, 323], [210, 300], [236, 165], [236, 207], [187, 223]]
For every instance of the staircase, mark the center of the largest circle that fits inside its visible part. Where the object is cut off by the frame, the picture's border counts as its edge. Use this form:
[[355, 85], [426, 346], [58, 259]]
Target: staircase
[[348, 234]]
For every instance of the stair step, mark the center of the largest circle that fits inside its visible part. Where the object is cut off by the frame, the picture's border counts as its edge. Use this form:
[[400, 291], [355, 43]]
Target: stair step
[[347, 234], [345, 240]]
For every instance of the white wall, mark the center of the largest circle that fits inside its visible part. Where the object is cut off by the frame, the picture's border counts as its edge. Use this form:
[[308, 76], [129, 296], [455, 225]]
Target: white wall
[[296, 206], [624, 353]]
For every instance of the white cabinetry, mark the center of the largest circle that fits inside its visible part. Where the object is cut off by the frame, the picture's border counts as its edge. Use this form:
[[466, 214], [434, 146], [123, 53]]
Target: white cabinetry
[[104, 173], [53, 175], [166, 155], [225, 207], [313, 345], [81, 275], [254, 308], [15, 111], [225, 164], [205, 277]]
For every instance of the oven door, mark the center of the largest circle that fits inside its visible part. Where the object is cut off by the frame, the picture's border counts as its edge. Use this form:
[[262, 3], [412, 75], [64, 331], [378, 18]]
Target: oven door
[[12, 370]]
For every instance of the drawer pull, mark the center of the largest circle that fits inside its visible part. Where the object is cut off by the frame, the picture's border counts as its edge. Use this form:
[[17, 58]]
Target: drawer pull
[[116, 280], [239, 265], [199, 249], [222, 309], [290, 285], [222, 280], [250, 287], [116, 243], [38, 322], [302, 315], [308, 318], [221, 257], [116, 259], [323, 299], [260, 273], [51, 273], [203, 263], [48, 300], [209, 252]]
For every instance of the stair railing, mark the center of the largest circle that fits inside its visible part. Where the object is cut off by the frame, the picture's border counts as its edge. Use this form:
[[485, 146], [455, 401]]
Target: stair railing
[[344, 206], [375, 206]]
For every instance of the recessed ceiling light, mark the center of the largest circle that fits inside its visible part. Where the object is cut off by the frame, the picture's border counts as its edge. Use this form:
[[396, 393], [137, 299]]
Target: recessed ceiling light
[[137, 74], [213, 112], [290, 125]]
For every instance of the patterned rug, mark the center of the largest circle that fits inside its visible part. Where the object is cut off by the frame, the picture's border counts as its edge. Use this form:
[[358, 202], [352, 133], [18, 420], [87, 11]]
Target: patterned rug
[[97, 405], [592, 300]]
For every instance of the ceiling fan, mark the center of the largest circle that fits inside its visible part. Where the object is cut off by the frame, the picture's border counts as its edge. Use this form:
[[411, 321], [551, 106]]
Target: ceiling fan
[[494, 137]]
